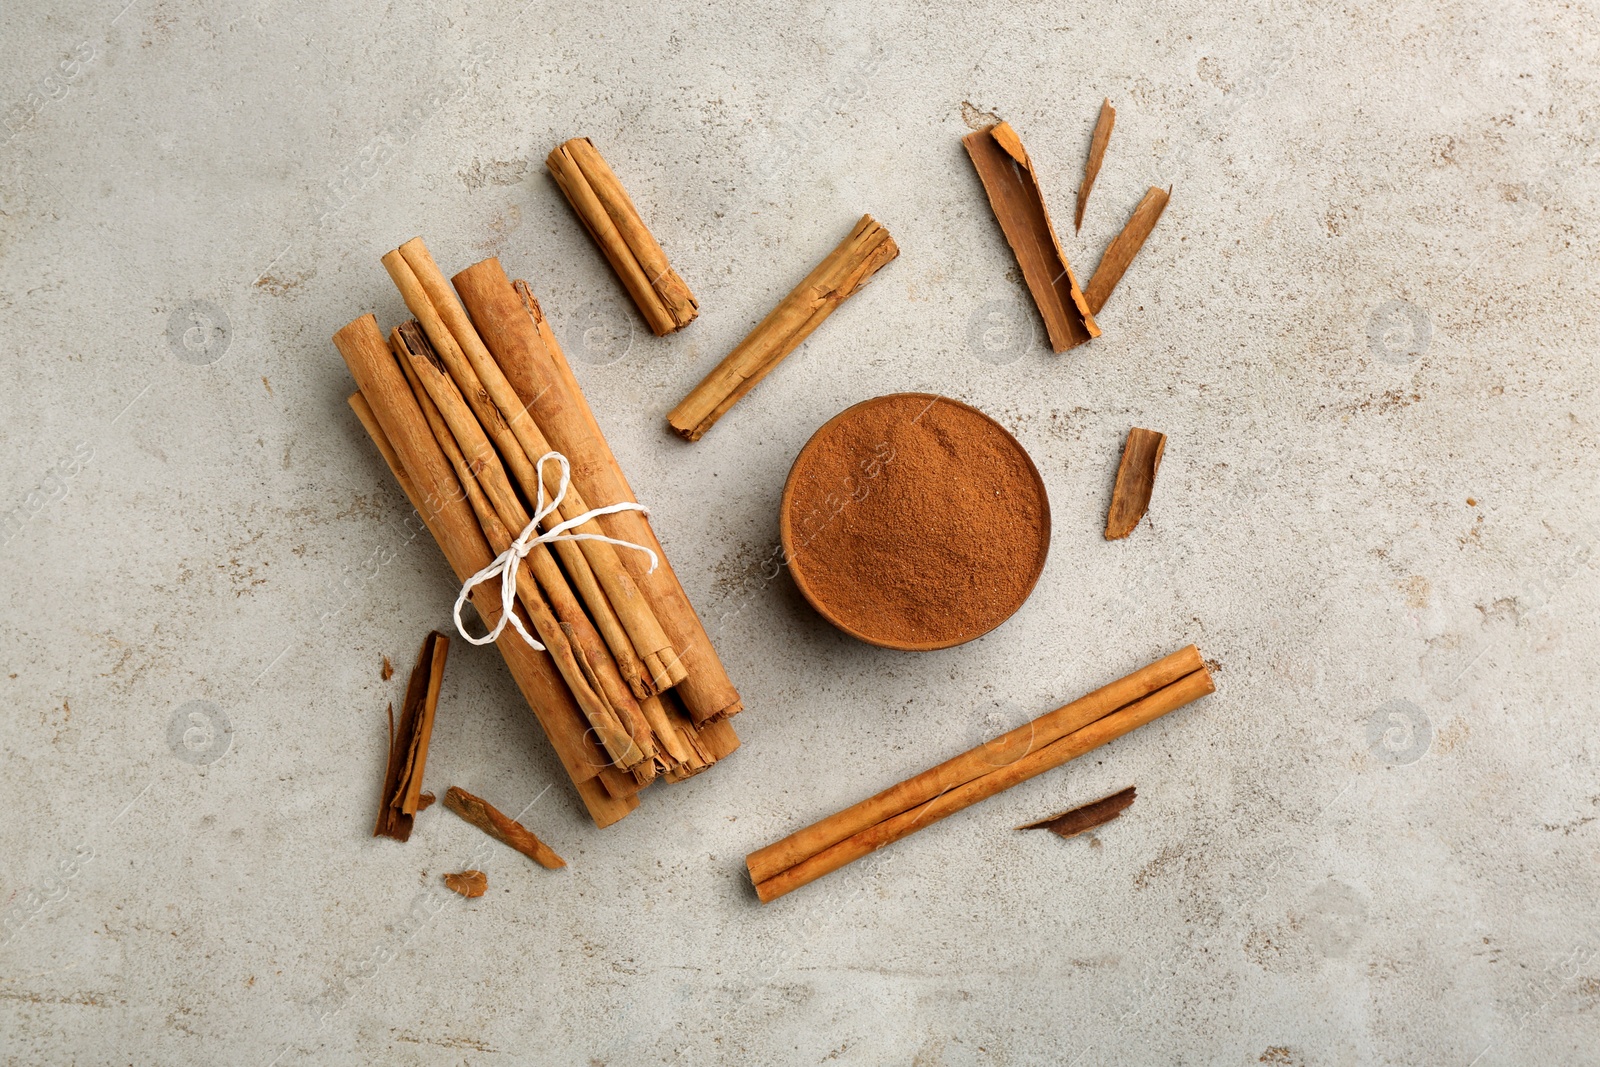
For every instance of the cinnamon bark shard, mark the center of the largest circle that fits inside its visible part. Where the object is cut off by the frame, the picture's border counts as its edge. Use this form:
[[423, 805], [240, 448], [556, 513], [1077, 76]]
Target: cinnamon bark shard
[[501, 827], [408, 743], [608, 214], [1097, 155], [387, 671], [1119, 254], [1074, 822], [469, 884], [1013, 189], [847, 268], [1136, 478]]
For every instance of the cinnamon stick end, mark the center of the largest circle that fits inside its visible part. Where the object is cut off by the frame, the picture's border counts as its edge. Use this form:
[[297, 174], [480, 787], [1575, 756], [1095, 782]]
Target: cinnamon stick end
[[470, 884], [1136, 478]]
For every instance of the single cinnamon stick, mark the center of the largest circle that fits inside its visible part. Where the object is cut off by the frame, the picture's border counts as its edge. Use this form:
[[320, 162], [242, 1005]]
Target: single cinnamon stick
[[1136, 479], [846, 269], [1124, 246], [512, 325], [471, 884], [390, 413], [1086, 817], [1091, 167], [428, 675], [559, 620], [500, 414], [502, 827], [1002, 751], [1013, 190], [608, 214], [1189, 688]]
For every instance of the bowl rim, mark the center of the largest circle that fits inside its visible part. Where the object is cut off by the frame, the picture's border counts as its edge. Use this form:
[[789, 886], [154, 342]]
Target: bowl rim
[[791, 560]]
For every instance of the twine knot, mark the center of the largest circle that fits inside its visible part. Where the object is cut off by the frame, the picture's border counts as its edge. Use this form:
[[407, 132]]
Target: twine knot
[[505, 565]]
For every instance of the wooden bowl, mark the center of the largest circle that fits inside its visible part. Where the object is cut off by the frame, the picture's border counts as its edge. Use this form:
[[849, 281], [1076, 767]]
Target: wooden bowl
[[914, 466]]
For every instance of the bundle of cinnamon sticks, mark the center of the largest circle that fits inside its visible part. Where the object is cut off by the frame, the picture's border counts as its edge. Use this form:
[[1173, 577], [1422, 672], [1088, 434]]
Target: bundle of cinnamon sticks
[[463, 402]]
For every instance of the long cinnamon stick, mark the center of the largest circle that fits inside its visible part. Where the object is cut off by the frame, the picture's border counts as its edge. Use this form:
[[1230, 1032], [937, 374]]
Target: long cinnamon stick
[[1124, 247], [1189, 688], [449, 329], [391, 411], [1013, 190], [502, 827], [846, 269], [1091, 166], [1002, 751], [519, 337], [1136, 480], [608, 214]]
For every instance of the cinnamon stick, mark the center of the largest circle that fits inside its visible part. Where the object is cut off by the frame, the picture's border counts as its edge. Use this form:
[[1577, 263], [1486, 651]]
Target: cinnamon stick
[[1086, 817], [1013, 190], [1136, 479], [390, 413], [1091, 166], [608, 214], [512, 325], [1124, 246], [1002, 751], [846, 269], [1183, 691], [502, 827], [501, 415]]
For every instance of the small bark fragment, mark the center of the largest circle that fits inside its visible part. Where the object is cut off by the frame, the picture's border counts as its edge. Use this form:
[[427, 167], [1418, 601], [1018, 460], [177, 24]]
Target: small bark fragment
[[1074, 822], [501, 827], [1119, 254], [1136, 478], [388, 669], [1097, 155], [425, 801], [469, 884]]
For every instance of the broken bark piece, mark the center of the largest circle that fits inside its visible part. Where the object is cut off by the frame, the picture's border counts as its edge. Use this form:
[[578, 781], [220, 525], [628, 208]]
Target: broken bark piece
[[608, 214], [1136, 477], [501, 827], [1098, 813], [425, 801], [470, 884], [846, 269], [1124, 246], [387, 671], [408, 742], [1097, 154], [1013, 189]]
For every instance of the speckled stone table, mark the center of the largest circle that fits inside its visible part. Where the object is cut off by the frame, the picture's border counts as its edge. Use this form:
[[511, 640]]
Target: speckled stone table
[[1365, 324]]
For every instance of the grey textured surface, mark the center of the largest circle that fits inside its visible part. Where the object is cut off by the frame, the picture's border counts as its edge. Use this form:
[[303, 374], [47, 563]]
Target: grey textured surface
[[1370, 300]]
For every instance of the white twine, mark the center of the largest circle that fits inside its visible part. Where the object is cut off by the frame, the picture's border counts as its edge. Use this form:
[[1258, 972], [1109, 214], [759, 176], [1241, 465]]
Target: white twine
[[506, 563]]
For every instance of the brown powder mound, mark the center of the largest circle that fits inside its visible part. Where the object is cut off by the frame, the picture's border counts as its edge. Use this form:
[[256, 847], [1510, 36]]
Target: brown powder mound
[[915, 521]]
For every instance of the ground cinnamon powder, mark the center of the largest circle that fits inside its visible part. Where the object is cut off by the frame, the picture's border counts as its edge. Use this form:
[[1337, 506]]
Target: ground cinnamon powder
[[915, 520]]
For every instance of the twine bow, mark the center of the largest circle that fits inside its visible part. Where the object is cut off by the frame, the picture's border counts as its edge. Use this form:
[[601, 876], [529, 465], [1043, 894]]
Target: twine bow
[[506, 563]]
